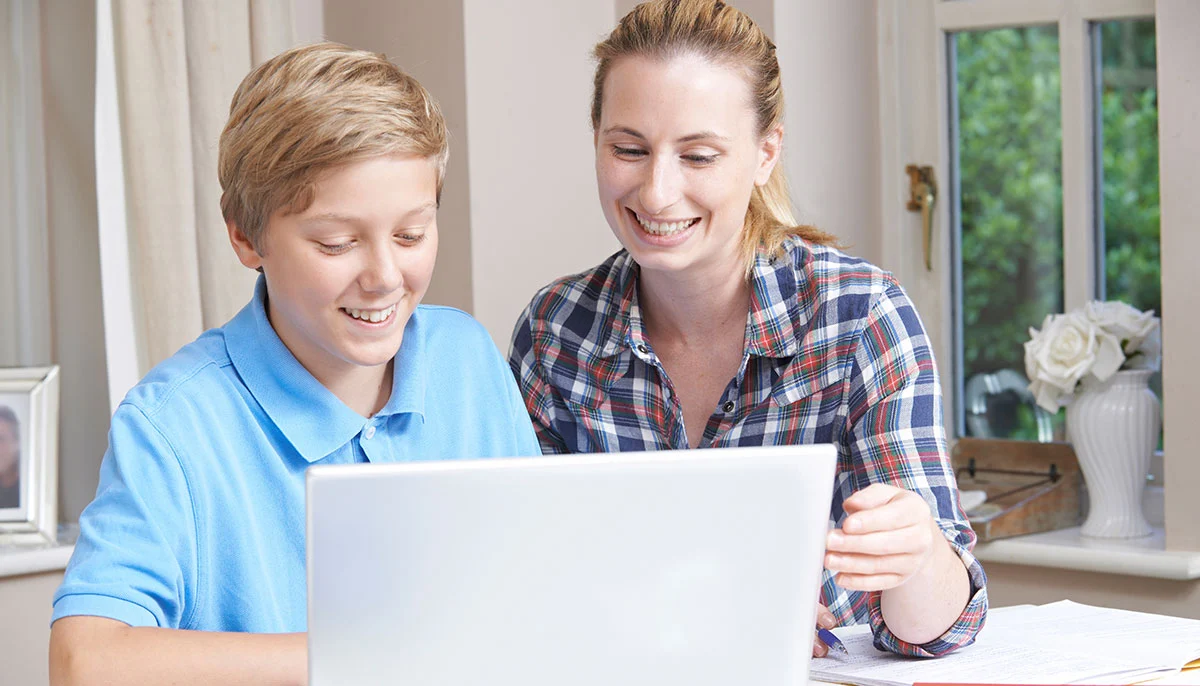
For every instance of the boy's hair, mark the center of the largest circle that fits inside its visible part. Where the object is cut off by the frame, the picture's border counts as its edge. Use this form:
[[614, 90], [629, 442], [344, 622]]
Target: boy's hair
[[308, 110]]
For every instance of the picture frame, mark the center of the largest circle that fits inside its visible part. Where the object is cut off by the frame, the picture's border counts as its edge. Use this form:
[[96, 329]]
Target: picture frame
[[29, 399]]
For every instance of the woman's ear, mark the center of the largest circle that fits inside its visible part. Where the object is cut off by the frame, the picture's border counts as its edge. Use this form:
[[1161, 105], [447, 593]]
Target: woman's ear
[[769, 151], [244, 248]]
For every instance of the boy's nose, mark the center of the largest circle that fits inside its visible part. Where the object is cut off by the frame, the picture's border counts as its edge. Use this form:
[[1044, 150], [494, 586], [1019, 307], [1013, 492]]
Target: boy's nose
[[383, 274]]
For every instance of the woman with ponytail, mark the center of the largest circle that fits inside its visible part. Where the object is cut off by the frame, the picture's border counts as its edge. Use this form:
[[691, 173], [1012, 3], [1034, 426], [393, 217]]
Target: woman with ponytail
[[723, 322]]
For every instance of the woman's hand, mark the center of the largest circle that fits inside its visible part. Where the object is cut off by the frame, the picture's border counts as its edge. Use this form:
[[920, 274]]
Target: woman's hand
[[825, 620], [887, 537]]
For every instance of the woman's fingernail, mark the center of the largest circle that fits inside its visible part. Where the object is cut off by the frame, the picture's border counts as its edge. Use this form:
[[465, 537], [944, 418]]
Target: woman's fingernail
[[819, 649], [835, 539], [827, 620]]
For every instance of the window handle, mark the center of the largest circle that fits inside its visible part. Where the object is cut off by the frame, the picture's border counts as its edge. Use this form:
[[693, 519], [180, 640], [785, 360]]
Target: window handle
[[922, 190]]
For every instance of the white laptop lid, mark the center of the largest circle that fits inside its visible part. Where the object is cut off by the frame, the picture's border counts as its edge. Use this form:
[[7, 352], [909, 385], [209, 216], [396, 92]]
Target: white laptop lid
[[693, 567]]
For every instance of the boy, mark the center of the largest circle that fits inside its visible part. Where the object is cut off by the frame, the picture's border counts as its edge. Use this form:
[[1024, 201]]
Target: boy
[[331, 166]]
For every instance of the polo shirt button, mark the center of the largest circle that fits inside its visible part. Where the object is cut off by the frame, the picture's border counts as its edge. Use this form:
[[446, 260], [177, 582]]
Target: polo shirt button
[[370, 432], [642, 348], [728, 406]]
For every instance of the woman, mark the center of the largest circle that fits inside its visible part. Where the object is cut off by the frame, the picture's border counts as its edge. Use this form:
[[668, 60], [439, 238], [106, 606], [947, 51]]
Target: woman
[[724, 323]]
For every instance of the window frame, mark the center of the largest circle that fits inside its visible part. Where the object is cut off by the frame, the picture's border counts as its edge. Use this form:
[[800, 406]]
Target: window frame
[[914, 63]]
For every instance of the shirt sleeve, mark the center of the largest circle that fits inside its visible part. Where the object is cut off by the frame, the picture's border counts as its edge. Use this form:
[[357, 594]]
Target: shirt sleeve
[[527, 438], [135, 558], [537, 393], [896, 436]]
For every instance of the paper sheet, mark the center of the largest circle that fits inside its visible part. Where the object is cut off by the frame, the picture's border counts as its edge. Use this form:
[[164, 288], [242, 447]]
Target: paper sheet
[[1061, 642]]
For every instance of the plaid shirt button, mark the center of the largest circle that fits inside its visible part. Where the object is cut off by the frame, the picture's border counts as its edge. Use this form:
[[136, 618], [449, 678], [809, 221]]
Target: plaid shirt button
[[728, 406]]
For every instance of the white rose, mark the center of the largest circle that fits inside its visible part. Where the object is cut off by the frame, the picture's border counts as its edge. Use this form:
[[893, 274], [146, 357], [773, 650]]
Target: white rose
[[1047, 396], [1069, 347], [1128, 324], [1149, 353]]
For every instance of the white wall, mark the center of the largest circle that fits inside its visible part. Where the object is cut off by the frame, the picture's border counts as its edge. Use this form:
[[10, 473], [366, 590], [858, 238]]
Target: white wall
[[1178, 23], [426, 40], [831, 143], [534, 210], [68, 67], [25, 628]]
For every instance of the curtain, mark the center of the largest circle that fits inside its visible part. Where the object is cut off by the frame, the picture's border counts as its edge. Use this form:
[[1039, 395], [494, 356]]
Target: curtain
[[178, 63], [25, 327]]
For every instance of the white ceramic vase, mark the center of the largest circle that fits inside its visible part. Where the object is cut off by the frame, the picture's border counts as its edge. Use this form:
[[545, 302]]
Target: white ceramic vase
[[1114, 427]]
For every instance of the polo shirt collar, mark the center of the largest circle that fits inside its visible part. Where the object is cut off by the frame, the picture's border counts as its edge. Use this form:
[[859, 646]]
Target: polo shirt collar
[[310, 416]]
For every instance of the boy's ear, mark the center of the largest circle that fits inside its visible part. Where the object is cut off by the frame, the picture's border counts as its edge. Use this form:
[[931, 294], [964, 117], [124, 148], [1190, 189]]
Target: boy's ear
[[246, 253]]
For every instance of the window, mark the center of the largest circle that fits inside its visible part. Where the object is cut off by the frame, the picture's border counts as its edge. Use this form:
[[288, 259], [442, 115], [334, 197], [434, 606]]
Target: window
[[1042, 123], [1121, 65], [1006, 106]]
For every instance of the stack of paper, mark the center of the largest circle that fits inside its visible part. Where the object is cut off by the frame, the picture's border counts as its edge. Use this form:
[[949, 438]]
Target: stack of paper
[[1059, 643]]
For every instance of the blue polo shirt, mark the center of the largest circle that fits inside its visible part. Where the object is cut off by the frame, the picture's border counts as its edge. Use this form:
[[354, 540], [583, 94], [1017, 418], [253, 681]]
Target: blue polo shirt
[[198, 521]]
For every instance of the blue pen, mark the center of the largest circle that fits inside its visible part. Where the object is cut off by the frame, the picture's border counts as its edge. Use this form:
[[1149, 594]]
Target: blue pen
[[832, 641]]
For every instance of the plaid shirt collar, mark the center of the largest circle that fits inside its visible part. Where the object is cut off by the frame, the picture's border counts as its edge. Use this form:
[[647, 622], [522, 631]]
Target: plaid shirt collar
[[777, 314]]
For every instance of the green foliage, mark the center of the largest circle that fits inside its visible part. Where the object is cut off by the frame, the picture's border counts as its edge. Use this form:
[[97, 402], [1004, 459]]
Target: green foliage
[[1129, 111], [1010, 166]]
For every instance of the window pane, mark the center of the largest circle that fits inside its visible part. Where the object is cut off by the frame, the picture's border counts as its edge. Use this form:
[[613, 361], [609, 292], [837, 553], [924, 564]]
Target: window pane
[[1127, 119], [1007, 111]]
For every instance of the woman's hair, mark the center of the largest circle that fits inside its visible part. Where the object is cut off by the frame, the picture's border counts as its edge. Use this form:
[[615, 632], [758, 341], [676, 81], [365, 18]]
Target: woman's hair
[[308, 110], [664, 29]]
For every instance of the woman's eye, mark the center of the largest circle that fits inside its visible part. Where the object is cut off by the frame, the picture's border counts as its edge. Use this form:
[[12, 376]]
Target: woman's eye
[[700, 159], [336, 248], [620, 151]]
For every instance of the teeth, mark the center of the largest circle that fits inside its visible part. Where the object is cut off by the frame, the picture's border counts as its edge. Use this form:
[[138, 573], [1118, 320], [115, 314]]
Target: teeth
[[375, 316], [663, 228]]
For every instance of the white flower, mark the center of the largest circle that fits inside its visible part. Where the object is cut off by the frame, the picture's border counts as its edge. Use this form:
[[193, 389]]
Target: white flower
[[1069, 347], [1149, 354], [1130, 325]]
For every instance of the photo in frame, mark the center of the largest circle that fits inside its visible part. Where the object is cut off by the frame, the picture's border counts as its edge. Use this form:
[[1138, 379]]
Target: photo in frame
[[28, 455]]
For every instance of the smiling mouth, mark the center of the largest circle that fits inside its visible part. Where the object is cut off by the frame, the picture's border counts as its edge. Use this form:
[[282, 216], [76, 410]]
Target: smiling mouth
[[664, 228], [370, 316]]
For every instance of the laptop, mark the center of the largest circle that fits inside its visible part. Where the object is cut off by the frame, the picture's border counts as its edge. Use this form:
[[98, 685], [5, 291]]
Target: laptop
[[698, 567]]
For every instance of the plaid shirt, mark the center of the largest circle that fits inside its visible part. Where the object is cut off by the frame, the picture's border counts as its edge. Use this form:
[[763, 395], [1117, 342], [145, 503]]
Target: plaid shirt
[[834, 353]]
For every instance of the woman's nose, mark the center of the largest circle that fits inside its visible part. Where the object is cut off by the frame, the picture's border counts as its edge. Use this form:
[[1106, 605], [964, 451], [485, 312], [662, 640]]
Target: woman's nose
[[661, 187]]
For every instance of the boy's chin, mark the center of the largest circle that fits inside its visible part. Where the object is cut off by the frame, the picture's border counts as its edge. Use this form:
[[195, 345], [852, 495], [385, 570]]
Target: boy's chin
[[377, 356]]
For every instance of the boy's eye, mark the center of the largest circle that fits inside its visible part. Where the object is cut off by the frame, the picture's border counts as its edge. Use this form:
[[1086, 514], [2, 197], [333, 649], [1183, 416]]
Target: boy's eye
[[336, 248], [410, 238]]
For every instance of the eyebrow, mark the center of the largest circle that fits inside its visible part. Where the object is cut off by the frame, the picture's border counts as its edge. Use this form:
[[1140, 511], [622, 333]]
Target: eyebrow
[[700, 135], [350, 219]]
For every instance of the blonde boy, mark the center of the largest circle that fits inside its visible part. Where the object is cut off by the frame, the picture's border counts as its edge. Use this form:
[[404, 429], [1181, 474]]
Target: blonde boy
[[190, 562]]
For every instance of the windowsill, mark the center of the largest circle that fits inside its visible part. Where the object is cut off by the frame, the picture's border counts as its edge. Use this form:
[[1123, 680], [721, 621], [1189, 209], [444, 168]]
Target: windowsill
[[1066, 549], [17, 560]]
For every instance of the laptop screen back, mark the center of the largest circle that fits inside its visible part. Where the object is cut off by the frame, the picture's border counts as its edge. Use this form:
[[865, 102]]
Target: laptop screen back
[[697, 567]]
